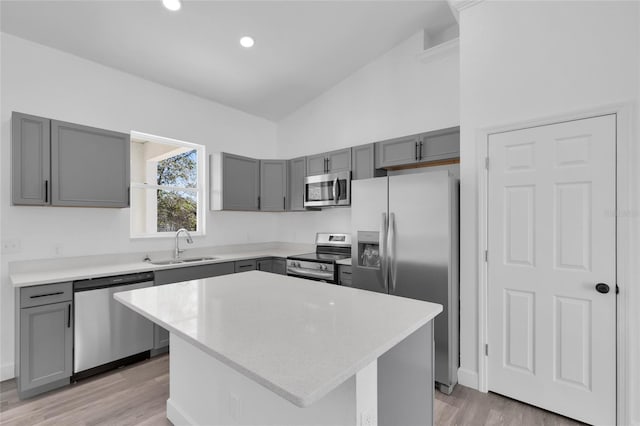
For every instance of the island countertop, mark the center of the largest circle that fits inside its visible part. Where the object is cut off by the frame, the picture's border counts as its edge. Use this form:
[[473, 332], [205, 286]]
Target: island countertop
[[299, 338]]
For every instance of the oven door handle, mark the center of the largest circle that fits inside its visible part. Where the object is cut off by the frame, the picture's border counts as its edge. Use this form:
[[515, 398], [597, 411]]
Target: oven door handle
[[310, 273]]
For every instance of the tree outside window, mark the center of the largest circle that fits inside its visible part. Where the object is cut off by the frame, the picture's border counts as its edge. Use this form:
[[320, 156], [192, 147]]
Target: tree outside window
[[167, 186]]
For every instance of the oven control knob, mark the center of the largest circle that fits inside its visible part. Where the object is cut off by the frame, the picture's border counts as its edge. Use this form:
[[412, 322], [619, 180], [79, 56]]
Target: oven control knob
[[323, 267]]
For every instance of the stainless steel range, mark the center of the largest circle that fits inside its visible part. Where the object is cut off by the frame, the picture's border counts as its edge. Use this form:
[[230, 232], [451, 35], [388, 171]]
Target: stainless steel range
[[321, 264]]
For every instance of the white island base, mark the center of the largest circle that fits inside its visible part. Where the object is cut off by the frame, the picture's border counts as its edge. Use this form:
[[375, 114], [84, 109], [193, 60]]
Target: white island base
[[395, 389]]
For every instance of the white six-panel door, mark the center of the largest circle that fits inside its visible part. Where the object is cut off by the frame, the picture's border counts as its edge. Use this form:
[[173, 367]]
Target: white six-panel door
[[551, 239]]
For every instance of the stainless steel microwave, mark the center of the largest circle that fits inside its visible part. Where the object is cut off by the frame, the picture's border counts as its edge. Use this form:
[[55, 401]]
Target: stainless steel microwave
[[332, 189]]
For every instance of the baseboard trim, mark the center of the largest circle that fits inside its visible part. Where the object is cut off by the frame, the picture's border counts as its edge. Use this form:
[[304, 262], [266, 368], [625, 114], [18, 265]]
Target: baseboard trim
[[176, 416], [7, 371], [468, 378]]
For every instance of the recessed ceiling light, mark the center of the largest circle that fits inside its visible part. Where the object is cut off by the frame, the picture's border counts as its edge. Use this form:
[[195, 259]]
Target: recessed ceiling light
[[247, 41], [172, 4]]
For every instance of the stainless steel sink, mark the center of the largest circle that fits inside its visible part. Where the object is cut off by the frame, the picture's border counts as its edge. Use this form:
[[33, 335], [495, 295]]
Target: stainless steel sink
[[165, 262], [178, 261], [198, 259]]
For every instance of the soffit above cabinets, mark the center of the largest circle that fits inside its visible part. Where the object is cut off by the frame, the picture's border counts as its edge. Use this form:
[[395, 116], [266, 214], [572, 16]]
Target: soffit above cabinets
[[301, 48]]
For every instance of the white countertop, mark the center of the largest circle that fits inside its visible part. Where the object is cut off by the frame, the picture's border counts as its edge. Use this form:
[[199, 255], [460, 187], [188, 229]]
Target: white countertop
[[299, 338], [47, 271], [346, 261]]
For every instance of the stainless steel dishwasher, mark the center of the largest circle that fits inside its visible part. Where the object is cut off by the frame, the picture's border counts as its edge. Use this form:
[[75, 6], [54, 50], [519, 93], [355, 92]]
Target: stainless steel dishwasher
[[107, 334]]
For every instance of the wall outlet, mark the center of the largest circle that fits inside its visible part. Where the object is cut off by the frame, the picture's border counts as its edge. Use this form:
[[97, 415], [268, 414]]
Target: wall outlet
[[234, 406], [11, 246], [368, 419], [57, 250]]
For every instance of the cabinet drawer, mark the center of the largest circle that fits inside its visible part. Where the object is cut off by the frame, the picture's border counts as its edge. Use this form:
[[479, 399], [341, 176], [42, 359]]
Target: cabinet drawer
[[246, 265], [344, 275], [45, 294]]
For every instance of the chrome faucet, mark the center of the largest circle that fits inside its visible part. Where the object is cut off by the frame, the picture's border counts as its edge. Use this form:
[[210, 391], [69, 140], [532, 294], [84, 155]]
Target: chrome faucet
[[177, 251]]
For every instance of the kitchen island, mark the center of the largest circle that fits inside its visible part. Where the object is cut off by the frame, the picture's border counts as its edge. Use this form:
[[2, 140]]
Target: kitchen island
[[260, 348]]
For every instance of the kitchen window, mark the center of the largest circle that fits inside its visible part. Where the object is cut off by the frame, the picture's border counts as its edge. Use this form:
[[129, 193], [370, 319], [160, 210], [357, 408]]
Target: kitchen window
[[167, 186]]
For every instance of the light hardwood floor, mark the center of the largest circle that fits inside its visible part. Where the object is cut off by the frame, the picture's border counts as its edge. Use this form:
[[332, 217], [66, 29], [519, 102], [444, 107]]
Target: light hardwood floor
[[136, 395]]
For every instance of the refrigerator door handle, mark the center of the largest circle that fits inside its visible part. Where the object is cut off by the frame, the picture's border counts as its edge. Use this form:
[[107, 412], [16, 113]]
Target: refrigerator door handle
[[391, 245], [383, 252]]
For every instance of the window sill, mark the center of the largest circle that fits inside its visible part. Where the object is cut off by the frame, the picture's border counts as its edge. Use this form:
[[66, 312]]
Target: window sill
[[164, 235]]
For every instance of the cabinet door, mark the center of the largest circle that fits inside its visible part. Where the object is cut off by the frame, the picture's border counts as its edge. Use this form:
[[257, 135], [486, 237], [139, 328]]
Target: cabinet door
[[273, 185], [441, 145], [89, 166], [240, 182], [362, 166], [265, 265], [31, 150], [245, 265], [46, 343], [398, 151], [339, 161], [316, 164], [280, 266], [297, 172], [187, 273]]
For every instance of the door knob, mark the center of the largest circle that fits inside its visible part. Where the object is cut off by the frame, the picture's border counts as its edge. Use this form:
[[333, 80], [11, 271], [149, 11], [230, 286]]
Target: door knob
[[602, 288]]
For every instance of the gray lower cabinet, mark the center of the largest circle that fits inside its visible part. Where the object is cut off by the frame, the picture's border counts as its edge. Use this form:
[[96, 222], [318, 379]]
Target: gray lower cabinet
[[245, 265], [168, 276], [65, 164], [235, 182], [44, 334], [421, 148], [273, 185], [344, 275], [329, 162], [297, 172], [279, 266], [276, 265], [265, 265]]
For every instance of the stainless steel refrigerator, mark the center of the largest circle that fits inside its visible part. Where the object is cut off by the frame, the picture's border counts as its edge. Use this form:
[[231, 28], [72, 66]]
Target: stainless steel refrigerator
[[406, 243]]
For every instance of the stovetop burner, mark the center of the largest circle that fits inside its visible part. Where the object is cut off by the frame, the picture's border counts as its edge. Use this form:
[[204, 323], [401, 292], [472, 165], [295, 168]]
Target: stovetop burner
[[324, 257]]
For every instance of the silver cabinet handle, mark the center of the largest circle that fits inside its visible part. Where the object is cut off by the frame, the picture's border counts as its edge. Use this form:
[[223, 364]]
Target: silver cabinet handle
[[420, 154], [416, 151], [382, 241], [391, 244]]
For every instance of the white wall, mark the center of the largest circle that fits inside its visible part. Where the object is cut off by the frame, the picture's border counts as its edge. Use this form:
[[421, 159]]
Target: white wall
[[46, 82], [394, 95], [527, 60]]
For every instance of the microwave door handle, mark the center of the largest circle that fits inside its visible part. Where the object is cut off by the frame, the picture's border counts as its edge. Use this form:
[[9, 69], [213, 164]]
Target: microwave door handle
[[335, 191]]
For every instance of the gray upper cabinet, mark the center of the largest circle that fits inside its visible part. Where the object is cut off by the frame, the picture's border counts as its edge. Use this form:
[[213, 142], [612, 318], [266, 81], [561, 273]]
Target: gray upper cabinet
[[339, 161], [441, 145], [297, 172], [422, 148], [273, 185], [31, 149], [362, 162], [235, 182], [398, 151], [316, 164], [89, 166], [64, 164], [329, 162]]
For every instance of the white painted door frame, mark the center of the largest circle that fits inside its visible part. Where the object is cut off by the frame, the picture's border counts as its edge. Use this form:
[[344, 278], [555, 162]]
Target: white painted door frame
[[624, 240]]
